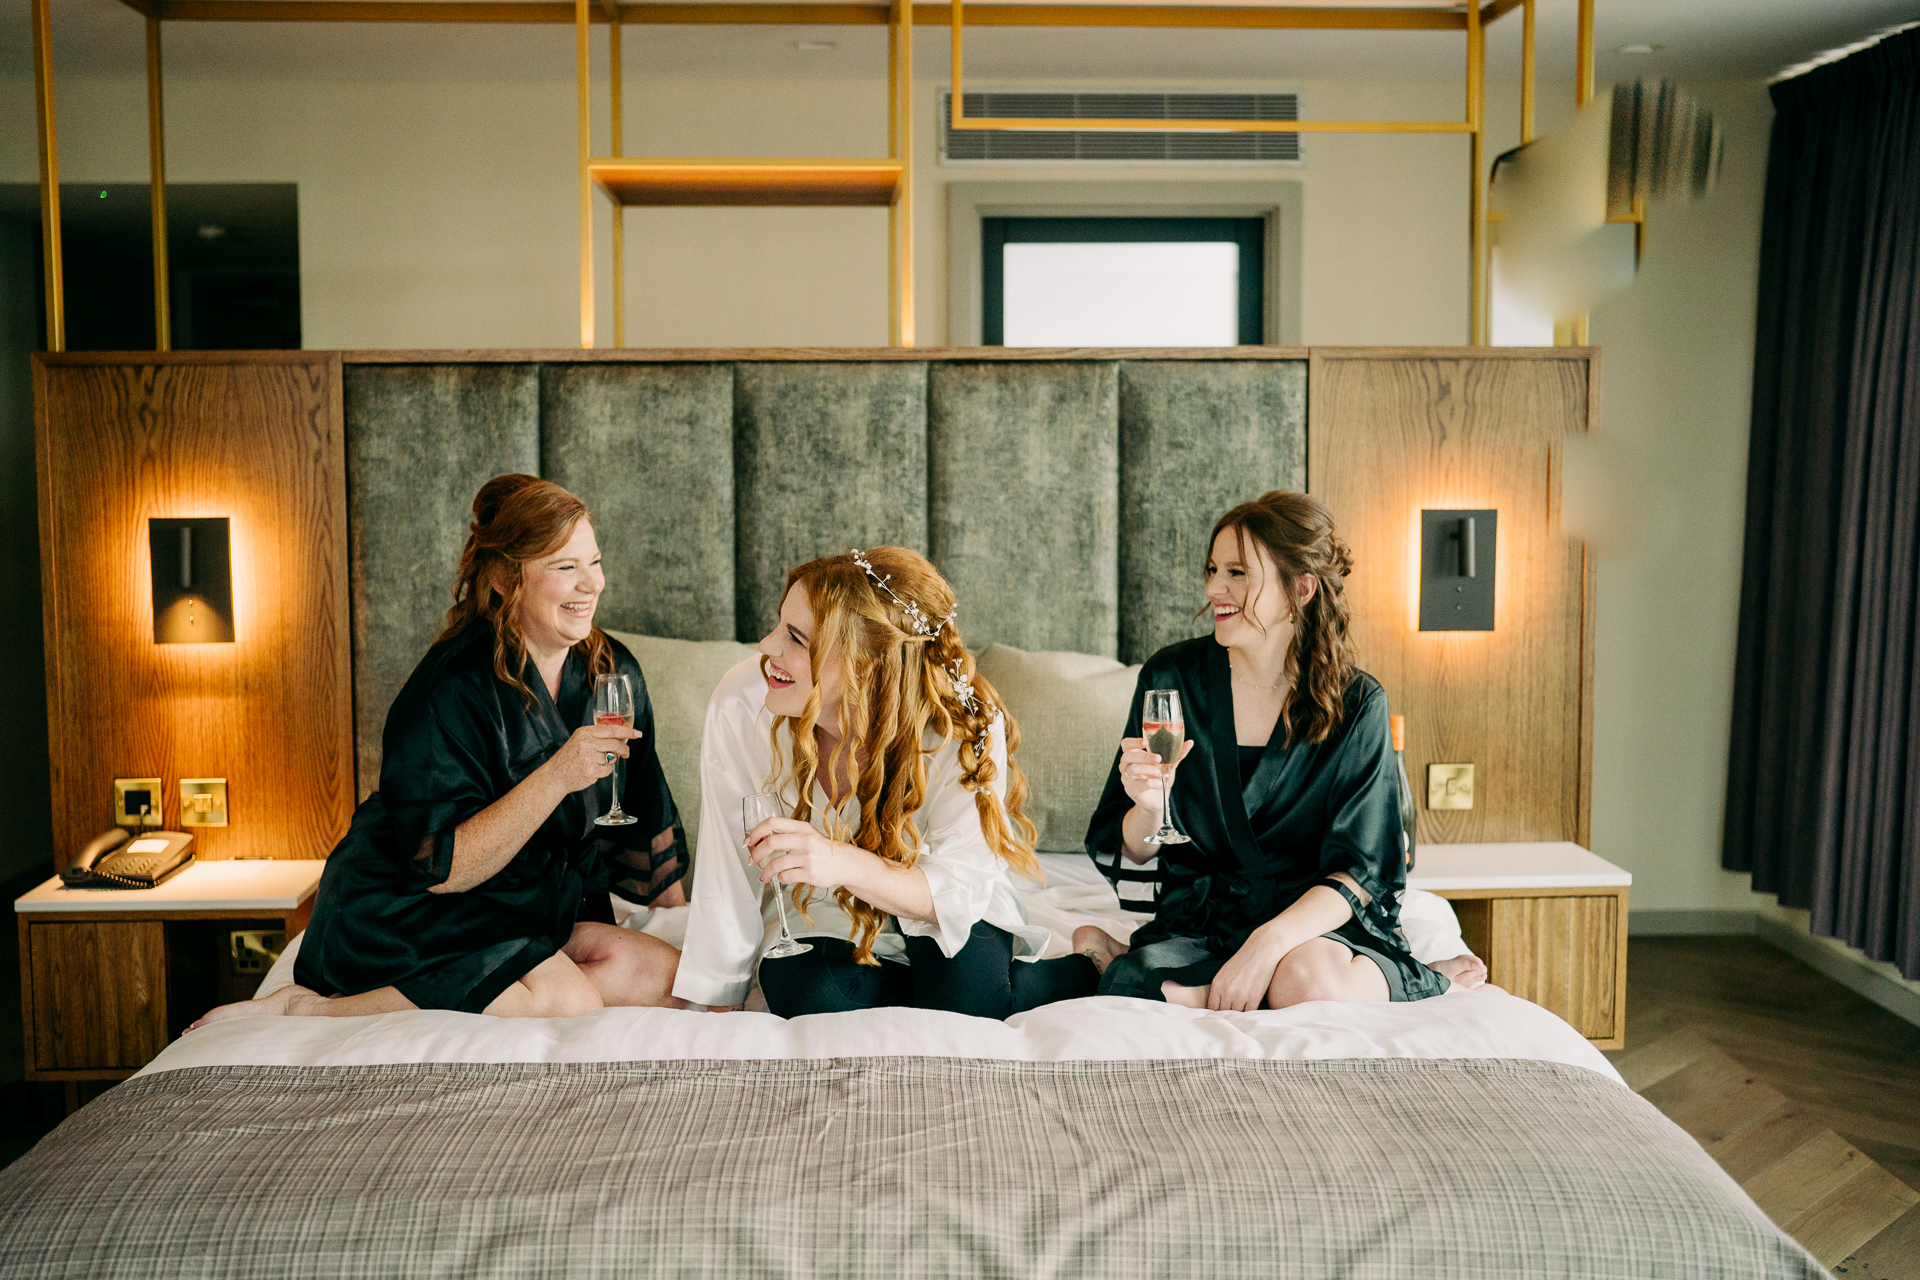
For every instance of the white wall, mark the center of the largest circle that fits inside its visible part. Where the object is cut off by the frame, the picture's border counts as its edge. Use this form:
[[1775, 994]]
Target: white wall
[[444, 215]]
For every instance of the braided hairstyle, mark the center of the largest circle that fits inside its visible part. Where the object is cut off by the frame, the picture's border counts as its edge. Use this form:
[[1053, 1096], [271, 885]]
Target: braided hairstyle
[[1297, 531], [896, 684], [516, 519]]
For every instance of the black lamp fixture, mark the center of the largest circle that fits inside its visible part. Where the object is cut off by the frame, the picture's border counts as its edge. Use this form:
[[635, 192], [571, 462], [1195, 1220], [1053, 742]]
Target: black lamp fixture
[[192, 580], [1456, 570]]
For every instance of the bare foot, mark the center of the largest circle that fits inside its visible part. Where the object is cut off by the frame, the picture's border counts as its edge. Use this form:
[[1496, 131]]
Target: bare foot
[[1465, 972], [1188, 997], [287, 1000], [1097, 945]]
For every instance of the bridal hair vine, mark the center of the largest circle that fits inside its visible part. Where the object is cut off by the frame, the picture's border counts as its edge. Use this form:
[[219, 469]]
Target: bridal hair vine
[[963, 687], [917, 620]]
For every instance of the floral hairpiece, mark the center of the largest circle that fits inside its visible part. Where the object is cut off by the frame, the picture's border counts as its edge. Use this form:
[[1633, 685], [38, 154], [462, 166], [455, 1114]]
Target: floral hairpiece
[[917, 619]]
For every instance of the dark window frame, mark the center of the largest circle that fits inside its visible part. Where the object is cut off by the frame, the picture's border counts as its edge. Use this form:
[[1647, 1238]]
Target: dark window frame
[[1249, 233]]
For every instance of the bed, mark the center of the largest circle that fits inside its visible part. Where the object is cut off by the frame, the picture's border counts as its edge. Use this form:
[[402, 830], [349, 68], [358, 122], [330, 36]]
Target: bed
[[1473, 1135]]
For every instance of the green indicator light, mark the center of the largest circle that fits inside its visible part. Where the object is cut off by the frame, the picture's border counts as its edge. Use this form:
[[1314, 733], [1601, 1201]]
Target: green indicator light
[[103, 195]]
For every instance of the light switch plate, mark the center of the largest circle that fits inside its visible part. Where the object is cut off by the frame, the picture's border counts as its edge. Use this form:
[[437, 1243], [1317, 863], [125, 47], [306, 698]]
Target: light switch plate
[[1449, 786], [129, 794], [203, 802]]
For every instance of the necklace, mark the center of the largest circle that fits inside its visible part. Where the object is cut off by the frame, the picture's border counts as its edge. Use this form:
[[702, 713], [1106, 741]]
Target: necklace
[[1264, 688]]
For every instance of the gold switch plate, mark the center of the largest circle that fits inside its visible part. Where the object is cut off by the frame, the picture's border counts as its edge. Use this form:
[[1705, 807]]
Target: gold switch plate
[[1449, 786], [203, 802], [127, 813]]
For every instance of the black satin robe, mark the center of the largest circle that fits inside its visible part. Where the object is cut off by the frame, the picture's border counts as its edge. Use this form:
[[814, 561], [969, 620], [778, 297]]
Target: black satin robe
[[457, 739], [1309, 810]]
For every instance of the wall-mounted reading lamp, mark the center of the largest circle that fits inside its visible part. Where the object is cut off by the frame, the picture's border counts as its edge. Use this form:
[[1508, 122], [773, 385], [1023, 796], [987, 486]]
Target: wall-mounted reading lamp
[[192, 581], [1456, 570]]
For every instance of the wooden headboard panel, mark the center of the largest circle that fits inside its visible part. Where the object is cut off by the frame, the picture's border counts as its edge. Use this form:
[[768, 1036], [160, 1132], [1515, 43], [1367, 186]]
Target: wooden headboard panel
[[1066, 494]]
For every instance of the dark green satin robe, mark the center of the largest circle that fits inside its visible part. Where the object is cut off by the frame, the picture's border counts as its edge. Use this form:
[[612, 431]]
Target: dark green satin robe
[[457, 739], [1308, 811]]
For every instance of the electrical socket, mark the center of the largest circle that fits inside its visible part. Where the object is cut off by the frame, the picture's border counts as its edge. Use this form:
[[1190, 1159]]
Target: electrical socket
[[131, 796], [255, 950]]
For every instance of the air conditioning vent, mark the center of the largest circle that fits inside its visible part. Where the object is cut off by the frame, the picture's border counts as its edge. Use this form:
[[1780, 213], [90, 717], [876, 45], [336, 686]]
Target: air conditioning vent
[[1108, 146]]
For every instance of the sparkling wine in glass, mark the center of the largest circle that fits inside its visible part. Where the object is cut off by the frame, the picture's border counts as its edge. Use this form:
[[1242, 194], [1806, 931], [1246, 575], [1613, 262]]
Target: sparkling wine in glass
[[1164, 727], [754, 810], [613, 704]]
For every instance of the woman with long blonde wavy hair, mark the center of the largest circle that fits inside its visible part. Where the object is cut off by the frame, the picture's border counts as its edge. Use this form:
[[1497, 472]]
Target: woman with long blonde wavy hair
[[892, 757]]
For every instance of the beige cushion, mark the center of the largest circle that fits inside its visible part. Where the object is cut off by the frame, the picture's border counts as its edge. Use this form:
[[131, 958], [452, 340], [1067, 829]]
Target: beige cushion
[[1071, 708], [681, 676]]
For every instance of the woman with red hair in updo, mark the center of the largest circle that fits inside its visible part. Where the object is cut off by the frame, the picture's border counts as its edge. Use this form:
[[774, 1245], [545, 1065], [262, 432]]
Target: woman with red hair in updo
[[475, 878]]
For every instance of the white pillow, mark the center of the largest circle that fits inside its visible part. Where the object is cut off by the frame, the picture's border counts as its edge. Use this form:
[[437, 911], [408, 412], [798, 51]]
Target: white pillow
[[681, 676], [1071, 709], [1432, 929]]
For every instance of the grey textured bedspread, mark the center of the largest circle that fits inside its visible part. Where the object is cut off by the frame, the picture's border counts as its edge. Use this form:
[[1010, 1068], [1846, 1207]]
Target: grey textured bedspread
[[882, 1167]]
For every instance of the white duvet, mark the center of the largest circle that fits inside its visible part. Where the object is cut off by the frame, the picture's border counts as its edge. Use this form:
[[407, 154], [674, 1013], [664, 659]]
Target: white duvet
[[1484, 1023]]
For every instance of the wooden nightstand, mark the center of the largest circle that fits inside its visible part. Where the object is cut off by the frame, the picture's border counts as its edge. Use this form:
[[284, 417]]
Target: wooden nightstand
[[1550, 920], [109, 976]]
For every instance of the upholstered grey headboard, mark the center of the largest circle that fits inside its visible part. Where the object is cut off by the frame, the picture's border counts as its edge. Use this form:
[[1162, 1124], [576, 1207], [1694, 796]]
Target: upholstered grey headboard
[[1068, 501]]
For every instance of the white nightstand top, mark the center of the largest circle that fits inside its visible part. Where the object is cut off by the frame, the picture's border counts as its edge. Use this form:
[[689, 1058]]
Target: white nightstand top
[[1545, 865], [256, 884]]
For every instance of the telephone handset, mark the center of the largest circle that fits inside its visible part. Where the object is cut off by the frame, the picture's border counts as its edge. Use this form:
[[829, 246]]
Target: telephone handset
[[114, 861]]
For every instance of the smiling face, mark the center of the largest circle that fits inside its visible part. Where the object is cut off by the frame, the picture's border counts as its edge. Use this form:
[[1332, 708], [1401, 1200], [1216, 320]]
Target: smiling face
[[559, 592], [789, 664], [1244, 588]]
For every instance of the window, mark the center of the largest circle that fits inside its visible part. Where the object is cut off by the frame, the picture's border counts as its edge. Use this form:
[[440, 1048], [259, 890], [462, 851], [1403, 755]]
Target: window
[[1122, 282]]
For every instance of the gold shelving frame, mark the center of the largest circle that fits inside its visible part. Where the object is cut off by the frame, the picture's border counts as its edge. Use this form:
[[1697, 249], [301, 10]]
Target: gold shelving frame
[[629, 181]]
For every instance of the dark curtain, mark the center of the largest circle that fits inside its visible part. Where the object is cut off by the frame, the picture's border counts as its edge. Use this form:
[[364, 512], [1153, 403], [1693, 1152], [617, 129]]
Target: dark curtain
[[1823, 786]]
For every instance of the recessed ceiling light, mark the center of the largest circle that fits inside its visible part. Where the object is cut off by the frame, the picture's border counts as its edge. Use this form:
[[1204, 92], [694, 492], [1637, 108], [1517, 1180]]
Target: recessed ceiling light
[[212, 231], [815, 46], [1640, 48]]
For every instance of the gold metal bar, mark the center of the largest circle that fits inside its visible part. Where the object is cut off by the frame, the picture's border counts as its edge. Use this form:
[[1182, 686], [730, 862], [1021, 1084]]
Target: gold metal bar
[[556, 12], [157, 187], [49, 175], [1477, 200], [957, 21], [903, 200], [1583, 78], [893, 153], [1526, 73], [1219, 126], [583, 81], [619, 211]]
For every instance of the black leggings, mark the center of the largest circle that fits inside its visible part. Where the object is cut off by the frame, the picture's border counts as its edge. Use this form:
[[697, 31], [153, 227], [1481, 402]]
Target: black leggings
[[982, 979]]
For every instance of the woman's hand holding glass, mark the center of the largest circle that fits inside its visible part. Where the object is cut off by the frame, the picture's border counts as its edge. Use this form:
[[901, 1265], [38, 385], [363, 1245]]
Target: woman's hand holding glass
[[589, 755], [1140, 773], [790, 851]]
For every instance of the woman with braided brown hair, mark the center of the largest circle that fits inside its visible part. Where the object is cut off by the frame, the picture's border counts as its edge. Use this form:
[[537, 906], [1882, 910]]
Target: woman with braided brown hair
[[893, 757], [1289, 888]]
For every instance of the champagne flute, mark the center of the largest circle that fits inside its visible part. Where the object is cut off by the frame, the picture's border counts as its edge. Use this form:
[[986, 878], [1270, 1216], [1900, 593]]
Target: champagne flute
[[754, 810], [1164, 727], [613, 704]]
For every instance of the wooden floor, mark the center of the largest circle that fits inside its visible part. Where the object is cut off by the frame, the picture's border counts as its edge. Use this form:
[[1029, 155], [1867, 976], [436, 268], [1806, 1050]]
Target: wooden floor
[[1807, 1094]]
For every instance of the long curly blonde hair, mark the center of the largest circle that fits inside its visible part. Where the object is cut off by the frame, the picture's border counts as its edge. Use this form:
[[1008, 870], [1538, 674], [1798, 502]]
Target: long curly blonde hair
[[896, 685]]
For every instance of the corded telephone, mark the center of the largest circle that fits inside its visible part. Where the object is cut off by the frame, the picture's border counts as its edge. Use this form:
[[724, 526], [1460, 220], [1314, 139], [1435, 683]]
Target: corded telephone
[[113, 861]]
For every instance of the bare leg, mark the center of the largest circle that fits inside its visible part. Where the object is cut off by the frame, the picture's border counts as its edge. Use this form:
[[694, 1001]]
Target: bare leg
[[1187, 997], [555, 988], [301, 1002], [1097, 945], [1465, 972], [625, 967], [1322, 969]]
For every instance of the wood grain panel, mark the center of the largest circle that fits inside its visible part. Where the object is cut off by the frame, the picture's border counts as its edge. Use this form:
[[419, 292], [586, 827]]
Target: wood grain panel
[[1560, 953], [99, 994], [256, 437], [1393, 432]]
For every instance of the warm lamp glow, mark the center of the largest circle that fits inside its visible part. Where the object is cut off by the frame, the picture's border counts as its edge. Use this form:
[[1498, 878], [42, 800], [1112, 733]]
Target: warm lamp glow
[[192, 564]]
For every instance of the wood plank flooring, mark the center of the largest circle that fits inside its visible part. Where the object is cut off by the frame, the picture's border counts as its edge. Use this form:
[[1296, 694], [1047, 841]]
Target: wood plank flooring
[[1807, 1094]]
